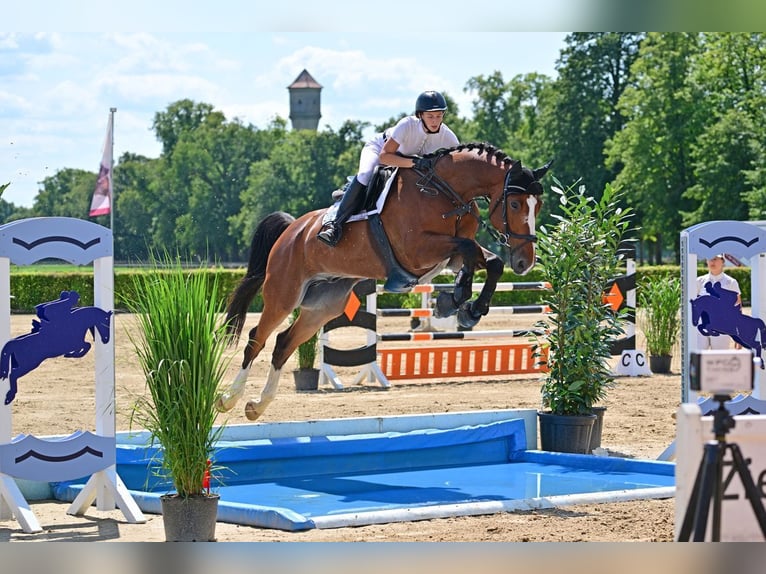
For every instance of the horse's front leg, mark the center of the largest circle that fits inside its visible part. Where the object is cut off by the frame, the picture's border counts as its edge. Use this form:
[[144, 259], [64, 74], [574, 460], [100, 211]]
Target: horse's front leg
[[448, 303], [471, 312]]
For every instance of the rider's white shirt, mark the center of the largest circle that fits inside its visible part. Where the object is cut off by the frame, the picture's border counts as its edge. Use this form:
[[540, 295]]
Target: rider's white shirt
[[727, 282], [412, 139]]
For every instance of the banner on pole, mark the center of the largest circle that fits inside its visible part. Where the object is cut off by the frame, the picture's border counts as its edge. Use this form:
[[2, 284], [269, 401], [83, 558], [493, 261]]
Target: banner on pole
[[102, 196]]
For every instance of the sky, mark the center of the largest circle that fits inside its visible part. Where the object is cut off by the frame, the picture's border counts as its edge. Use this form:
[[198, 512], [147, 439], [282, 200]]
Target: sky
[[372, 59], [56, 88]]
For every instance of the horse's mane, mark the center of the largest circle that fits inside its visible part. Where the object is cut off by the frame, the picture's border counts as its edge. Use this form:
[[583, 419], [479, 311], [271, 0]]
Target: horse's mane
[[480, 147]]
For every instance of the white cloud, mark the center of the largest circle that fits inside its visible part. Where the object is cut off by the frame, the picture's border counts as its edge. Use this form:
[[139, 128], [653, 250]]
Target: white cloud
[[56, 88], [151, 88]]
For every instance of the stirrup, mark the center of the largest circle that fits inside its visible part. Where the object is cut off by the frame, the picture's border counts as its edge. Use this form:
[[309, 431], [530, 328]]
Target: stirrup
[[330, 234]]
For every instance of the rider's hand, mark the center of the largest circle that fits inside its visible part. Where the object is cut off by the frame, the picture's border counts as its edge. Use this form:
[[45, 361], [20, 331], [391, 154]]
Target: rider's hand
[[421, 163]]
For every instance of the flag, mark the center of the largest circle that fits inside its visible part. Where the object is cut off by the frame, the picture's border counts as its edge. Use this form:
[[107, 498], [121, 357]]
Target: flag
[[102, 196]]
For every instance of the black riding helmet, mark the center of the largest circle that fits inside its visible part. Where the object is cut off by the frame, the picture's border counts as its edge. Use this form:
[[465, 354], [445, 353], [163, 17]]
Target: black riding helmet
[[430, 101]]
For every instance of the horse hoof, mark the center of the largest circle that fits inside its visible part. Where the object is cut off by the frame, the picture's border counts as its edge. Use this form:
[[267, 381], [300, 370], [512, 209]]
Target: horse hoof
[[445, 305], [251, 411], [224, 404], [9, 399], [466, 318]]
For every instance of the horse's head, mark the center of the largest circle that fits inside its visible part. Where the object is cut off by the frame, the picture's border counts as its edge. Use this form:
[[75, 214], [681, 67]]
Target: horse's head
[[519, 203], [480, 170], [102, 325], [696, 310]]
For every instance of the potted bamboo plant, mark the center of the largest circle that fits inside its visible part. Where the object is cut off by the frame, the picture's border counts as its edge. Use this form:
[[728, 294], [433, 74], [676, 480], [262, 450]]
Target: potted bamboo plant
[[306, 376], [180, 345], [659, 305], [579, 255]]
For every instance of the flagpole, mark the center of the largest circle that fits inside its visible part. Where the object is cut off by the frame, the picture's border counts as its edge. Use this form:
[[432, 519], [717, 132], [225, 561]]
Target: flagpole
[[112, 203]]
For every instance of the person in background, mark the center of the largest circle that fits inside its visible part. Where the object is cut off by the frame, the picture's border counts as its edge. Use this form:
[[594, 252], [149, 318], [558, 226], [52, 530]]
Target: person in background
[[715, 275], [417, 135]]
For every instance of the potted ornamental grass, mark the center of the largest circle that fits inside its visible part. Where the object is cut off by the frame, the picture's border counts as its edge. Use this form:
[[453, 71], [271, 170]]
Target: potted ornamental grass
[[180, 344], [306, 376], [579, 256], [659, 306]]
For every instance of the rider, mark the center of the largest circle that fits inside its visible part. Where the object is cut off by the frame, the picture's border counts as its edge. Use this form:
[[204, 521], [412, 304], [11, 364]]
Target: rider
[[417, 135]]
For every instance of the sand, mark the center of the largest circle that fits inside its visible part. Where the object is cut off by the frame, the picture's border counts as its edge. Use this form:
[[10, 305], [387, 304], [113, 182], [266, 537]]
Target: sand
[[58, 398]]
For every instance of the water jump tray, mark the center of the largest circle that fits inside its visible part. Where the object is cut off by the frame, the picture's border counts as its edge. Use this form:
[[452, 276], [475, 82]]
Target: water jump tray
[[326, 480]]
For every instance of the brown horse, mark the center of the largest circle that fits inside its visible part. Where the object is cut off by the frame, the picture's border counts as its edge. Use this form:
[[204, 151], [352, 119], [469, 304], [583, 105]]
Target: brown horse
[[431, 219]]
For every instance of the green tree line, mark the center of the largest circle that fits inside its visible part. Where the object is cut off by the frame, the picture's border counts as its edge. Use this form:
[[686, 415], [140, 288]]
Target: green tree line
[[677, 119]]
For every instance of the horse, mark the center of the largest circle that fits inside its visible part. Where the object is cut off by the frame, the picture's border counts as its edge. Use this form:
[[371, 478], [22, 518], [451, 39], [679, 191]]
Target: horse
[[430, 218], [60, 331], [718, 314]]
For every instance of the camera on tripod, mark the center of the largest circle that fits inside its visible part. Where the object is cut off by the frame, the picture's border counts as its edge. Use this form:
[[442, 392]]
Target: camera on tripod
[[721, 372]]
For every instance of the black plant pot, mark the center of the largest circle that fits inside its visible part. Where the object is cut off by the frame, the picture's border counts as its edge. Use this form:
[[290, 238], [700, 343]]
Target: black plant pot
[[566, 433], [595, 435], [306, 379], [190, 519], [660, 363]]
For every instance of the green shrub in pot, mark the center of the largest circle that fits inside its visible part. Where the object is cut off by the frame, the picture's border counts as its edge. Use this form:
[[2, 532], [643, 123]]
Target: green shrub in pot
[[580, 255]]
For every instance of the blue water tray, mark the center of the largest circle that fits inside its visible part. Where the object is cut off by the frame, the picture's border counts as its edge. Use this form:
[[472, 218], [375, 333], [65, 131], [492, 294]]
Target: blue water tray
[[298, 483]]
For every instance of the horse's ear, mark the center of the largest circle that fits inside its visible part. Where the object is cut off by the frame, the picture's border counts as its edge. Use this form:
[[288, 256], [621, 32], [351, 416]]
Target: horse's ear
[[515, 167], [541, 171]]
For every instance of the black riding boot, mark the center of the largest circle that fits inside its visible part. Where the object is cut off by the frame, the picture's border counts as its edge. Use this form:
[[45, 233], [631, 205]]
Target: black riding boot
[[332, 230]]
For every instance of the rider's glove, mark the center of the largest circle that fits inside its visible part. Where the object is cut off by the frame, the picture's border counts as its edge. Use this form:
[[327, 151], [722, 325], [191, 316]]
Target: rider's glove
[[422, 163]]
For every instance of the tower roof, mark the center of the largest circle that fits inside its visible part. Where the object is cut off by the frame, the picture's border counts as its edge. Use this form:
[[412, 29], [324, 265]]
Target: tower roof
[[304, 80]]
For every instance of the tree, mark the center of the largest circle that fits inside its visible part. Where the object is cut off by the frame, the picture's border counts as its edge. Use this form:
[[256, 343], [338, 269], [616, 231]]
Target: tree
[[134, 206], [654, 146], [204, 169], [493, 117], [181, 117], [731, 75], [507, 114], [583, 112], [299, 175], [67, 193], [215, 161], [8, 211]]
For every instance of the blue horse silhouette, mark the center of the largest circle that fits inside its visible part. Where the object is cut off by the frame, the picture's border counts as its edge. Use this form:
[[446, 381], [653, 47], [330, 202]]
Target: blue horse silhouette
[[718, 314], [60, 331]]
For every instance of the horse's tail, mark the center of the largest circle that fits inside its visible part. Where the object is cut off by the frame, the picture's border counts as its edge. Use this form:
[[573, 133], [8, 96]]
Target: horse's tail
[[266, 234]]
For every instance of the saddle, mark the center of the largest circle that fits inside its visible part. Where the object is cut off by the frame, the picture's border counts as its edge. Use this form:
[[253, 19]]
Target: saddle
[[381, 179], [399, 279]]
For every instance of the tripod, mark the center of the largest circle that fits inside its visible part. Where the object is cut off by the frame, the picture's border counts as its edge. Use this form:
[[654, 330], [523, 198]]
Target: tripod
[[708, 485]]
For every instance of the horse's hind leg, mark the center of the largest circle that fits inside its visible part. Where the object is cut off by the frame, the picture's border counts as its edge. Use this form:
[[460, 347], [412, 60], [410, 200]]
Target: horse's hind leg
[[230, 397], [295, 333], [272, 316], [318, 307]]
